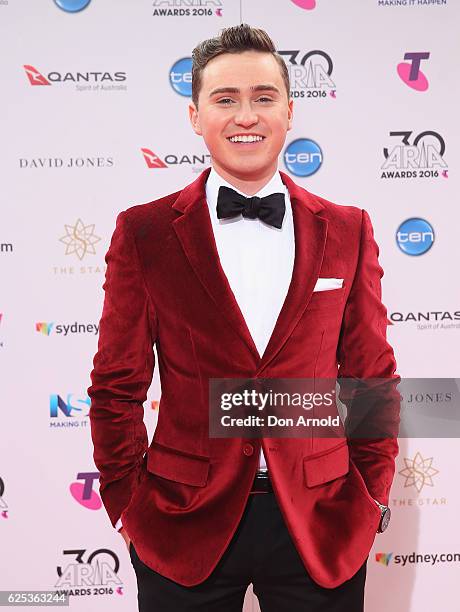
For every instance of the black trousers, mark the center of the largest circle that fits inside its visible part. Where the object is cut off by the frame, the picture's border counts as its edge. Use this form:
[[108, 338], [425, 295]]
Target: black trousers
[[262, 552]]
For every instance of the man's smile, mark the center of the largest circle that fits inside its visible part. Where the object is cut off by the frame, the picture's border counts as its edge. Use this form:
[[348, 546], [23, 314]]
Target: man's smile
[[246, 139]]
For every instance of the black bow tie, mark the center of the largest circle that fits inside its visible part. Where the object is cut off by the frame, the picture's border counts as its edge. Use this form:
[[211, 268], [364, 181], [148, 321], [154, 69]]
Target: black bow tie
[[269, 209]]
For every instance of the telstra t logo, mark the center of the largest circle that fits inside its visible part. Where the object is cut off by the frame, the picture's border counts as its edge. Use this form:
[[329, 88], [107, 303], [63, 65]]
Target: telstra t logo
[[308, 5], [84, 493], [411, 74]]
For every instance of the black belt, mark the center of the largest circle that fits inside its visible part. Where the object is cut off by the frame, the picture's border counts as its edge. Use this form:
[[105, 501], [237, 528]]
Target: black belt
[[262, 482]]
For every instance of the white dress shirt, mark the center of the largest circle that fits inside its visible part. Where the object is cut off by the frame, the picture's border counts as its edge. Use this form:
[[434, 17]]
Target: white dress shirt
[[257, 259]]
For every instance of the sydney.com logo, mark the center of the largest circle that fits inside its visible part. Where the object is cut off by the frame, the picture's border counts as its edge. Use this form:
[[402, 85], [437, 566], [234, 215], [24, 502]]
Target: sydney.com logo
[[413, 558]]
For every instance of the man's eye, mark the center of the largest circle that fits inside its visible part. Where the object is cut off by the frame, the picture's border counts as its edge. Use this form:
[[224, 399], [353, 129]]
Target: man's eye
[[224, 100], [267, 99]]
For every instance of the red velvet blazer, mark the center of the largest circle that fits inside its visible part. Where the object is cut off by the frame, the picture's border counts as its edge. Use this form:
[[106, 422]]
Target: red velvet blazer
[[182, 497]]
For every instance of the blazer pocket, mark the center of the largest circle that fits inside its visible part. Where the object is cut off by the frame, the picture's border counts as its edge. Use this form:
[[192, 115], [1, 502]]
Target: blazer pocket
[[171, 464], [326, 466], [326, 299]]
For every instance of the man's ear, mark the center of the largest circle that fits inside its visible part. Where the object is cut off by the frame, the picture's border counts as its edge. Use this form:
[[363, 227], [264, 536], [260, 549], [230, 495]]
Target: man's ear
[[290, 112], [194, 119]]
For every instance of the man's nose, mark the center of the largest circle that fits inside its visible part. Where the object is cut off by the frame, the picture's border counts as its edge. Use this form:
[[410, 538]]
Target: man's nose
[[245, 115]]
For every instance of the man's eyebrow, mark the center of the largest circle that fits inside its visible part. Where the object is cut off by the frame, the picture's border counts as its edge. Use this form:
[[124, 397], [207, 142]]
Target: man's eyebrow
[[235, 90]]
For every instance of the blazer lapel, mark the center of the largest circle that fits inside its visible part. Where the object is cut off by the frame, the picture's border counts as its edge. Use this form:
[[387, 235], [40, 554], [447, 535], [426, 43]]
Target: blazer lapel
[[310, 231], [194, 231]]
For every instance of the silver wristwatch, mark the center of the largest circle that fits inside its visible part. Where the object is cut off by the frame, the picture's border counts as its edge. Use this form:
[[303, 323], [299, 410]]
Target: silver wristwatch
[[385, 518]]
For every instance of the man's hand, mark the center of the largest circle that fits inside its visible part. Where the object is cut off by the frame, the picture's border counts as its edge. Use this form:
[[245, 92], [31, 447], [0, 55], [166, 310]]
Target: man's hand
[[125, 536]]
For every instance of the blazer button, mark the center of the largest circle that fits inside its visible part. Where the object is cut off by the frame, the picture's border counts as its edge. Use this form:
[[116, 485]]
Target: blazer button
[[248, 450]]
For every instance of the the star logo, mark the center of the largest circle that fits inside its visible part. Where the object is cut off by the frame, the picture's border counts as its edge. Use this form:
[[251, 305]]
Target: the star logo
[[80, 239], [418, 472]]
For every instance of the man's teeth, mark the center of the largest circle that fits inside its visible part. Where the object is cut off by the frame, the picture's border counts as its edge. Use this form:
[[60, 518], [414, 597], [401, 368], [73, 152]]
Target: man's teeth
[[245, 138]]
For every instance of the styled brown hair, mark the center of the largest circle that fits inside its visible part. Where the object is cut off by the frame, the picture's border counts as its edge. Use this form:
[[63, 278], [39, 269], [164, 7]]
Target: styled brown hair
[[235, 39]]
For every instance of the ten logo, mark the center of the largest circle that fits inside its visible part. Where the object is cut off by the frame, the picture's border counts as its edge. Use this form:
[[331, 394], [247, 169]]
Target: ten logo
[[415, 236], [180, 76], [303, 157], [72, 6]]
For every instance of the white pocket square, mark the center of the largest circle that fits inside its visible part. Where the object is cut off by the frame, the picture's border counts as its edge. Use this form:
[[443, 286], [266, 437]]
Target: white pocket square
[[326, 284]]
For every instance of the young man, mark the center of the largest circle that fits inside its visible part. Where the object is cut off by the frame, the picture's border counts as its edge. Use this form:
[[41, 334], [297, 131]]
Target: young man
[[241, 274]]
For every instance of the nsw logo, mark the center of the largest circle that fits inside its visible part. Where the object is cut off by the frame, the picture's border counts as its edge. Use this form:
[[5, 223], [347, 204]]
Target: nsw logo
[[72, 406]]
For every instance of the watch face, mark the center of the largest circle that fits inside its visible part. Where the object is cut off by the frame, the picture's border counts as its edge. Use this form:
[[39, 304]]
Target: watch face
[[385, 519]]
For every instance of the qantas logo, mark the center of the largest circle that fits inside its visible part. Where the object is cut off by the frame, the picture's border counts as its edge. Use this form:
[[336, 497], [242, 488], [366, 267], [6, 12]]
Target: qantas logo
[[173, 159], [90, 78], [152, 160], [35, 77]]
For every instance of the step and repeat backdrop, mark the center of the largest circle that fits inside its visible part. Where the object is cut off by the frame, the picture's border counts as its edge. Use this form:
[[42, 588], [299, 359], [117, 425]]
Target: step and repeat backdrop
[[93, 119]]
